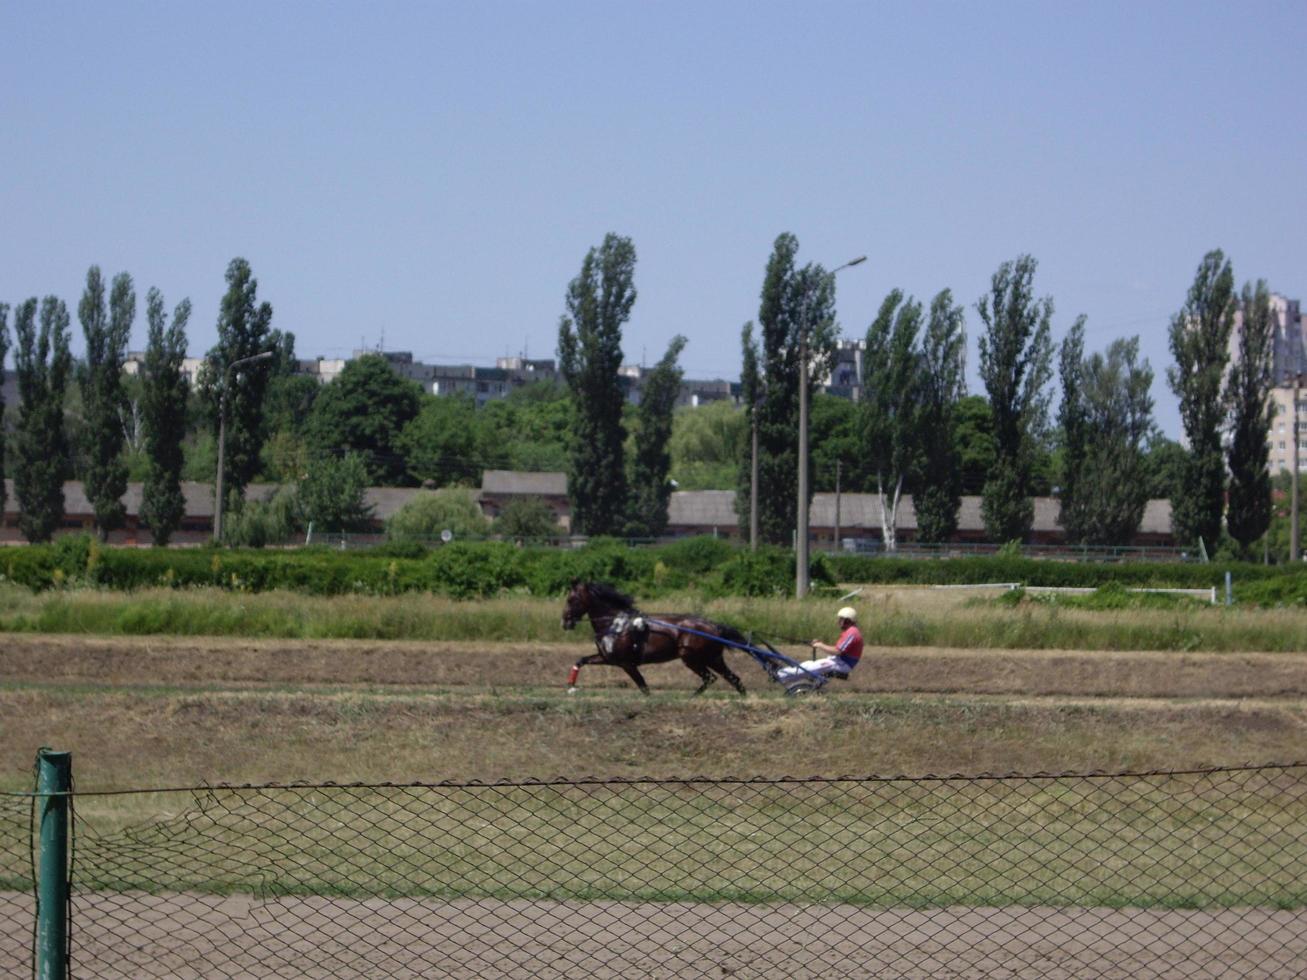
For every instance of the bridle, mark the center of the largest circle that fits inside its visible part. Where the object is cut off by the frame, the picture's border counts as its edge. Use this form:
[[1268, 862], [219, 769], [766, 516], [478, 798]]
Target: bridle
[[602, 622]]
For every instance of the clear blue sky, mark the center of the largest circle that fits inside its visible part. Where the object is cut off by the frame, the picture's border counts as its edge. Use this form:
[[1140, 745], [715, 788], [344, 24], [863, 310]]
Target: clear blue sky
[[435, 172]]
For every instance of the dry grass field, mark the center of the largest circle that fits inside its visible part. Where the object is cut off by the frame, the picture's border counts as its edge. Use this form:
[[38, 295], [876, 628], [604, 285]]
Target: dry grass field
[[156, 711], [168, 711], [172, 711]]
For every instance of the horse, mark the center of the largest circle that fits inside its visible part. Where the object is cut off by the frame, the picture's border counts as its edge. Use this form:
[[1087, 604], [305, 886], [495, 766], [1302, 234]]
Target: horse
[[620, 645]]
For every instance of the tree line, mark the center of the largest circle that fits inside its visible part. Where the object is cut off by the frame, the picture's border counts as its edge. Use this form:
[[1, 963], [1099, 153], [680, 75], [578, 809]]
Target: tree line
[[914, 426], [914, 430], [90, 421]]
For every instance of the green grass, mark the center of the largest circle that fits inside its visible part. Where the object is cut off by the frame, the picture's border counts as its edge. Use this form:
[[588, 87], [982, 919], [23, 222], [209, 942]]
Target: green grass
[[1108, 598], [890, 618]]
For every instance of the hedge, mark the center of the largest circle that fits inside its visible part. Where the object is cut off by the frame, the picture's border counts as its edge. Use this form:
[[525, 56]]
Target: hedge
[[472, 569], [460, 570], [1044, 571]]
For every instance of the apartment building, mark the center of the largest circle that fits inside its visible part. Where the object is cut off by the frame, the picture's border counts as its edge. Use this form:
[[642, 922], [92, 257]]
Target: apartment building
[[1282, 428], [1288, 361]]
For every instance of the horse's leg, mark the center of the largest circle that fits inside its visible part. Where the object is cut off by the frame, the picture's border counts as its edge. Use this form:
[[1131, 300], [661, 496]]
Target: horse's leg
[[707, 677], [694, 658], [594, 658], [717, 661], [634, 673]]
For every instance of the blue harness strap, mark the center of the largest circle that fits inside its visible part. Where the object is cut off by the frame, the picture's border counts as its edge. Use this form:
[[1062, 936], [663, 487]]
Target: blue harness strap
[[758, 654]]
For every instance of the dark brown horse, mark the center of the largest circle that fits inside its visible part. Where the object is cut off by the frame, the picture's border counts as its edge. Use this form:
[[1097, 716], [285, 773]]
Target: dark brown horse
[[623, 642]]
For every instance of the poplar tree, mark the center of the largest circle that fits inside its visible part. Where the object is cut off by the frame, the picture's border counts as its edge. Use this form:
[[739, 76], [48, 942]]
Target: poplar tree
[[244, 329], [938, 493], [797, 311], [1073, 426], [1105, 421], [1248, 401], [651, 489], [42, 362], [599, 301], [1015, 365], [1199, 339], [164, 397], [751, 389], [104, 471], [891, 404]]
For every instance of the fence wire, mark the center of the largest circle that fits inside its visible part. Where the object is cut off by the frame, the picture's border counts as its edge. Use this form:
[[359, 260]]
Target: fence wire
[[1193, 874], [17, 887]]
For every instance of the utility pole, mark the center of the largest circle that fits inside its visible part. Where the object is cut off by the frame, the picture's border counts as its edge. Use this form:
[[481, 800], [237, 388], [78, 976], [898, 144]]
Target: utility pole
[[222, 436], [801, 535], [837, 504]]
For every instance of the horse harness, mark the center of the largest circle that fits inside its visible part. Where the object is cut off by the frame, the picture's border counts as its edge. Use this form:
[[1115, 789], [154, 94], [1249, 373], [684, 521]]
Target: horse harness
[[619, 625]]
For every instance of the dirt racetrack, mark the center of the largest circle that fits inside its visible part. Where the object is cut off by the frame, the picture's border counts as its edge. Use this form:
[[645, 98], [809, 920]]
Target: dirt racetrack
[[168, 711], [118, 662], [238, 936]]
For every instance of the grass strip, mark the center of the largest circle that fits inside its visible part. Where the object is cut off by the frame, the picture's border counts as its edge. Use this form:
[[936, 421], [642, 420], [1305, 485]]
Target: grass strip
[[890, 618]]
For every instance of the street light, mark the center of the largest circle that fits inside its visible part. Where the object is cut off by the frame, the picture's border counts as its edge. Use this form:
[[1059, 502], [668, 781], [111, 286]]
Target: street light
[[222, 435], [801, 536]]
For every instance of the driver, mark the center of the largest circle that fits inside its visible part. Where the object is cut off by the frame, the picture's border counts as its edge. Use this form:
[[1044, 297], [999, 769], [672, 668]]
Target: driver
[[843, 656]]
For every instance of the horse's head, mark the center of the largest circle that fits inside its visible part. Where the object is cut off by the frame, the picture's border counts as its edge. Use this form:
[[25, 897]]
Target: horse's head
[[599, 601], [577, 605]]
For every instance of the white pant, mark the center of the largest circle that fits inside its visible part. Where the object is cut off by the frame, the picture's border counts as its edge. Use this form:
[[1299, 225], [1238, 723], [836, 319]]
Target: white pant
[[826, 666]]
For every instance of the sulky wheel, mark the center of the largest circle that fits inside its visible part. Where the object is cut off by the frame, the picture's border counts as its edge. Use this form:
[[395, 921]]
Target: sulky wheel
[[800, 687]]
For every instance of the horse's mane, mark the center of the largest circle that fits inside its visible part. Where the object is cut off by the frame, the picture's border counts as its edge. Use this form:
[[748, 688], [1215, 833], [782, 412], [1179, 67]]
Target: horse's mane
[[607, 594]]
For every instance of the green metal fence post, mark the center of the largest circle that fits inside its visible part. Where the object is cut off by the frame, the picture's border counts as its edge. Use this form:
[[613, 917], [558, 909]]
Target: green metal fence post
[[54, 780]]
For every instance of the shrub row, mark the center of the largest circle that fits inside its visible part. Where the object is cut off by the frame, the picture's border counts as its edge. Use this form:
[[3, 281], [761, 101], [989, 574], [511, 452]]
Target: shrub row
[[705, 565], [461, 570], [1042, 571]]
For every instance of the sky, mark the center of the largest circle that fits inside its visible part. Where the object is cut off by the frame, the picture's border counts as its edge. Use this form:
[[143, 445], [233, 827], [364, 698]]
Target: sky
[[428, 176]]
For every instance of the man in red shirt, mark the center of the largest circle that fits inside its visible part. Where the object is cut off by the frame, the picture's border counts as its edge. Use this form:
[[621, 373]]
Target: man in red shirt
[[843, 656]]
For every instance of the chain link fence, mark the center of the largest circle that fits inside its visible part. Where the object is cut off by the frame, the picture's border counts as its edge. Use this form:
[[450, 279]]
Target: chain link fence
[[1195, 874], [17, 886]]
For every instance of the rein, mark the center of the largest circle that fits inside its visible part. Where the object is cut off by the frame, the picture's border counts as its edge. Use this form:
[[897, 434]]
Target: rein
[[757, 653]]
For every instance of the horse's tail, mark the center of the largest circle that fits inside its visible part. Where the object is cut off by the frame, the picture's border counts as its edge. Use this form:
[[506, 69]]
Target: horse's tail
[[731, 633]]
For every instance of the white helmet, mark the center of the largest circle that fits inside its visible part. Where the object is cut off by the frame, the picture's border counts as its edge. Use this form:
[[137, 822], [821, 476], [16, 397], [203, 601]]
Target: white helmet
[[849, 613]]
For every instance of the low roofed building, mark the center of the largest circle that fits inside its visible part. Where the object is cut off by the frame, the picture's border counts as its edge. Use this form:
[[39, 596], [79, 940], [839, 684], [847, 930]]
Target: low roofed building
[[690, 512], [499, 487]]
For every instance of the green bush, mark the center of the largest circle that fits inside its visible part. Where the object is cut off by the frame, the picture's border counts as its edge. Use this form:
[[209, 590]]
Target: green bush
[[403, 548], [427, 514], [767, 572], [467, 569], [1285, 590], [1036, 571], [257, 523], [527, 518], [698, 555], [71, 554]]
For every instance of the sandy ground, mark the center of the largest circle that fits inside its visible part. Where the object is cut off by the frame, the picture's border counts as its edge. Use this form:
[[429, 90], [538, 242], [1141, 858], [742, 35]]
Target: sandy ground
[[207, 661], [238, 936]]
